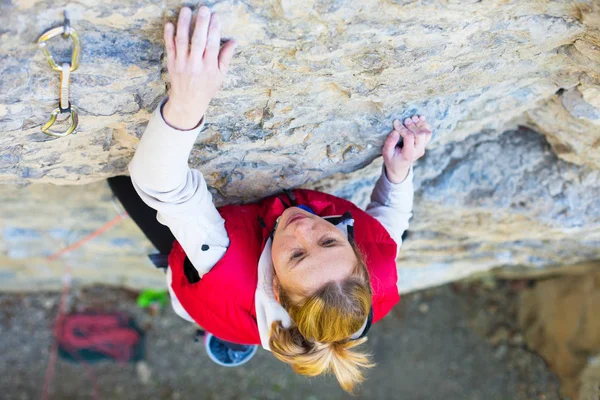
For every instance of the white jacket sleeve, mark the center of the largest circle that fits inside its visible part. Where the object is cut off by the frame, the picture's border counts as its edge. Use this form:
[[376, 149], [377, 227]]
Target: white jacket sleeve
[[391, 204], [162, 178]]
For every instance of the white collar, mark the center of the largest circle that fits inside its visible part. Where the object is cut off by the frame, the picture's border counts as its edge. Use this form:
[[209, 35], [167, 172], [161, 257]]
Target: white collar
[[268, 310]]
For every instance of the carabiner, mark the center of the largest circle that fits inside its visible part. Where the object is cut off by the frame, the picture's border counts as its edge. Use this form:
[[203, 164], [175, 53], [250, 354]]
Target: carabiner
[[66, 31], [52, 120]]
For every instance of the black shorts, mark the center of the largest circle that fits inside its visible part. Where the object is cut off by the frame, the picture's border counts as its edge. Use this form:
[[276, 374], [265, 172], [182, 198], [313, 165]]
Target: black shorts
[[143, 215]]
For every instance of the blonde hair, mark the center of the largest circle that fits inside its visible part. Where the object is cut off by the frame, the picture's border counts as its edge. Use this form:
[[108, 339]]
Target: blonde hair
[[318, 340]]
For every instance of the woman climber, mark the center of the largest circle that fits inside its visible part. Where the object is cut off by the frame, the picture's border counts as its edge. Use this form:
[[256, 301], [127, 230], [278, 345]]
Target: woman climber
[[304, 273]]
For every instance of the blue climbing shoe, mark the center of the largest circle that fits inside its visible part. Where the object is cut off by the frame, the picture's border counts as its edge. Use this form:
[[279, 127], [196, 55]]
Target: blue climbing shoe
[[228, 354]]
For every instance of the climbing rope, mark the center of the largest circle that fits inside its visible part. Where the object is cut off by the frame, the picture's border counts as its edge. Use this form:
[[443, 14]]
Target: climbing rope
[[105, 335], [89, 237], [60, 318], [65, 69]]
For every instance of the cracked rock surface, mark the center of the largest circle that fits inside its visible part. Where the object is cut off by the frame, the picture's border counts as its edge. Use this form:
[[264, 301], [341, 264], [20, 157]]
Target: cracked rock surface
[[511, 89]]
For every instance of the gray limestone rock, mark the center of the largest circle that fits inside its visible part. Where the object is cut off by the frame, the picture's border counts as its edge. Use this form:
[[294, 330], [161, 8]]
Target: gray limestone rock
[[311, 95]]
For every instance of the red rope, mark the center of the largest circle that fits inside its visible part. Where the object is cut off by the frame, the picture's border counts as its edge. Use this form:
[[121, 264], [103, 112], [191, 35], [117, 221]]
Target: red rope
[[91, 236], [63, 302], [103, 333], [54, 351]]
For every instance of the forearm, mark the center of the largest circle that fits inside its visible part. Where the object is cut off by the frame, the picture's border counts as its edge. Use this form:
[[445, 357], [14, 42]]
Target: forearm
[[162, 178], [392, 198], [159, 169], [160, 163], [392, 204]]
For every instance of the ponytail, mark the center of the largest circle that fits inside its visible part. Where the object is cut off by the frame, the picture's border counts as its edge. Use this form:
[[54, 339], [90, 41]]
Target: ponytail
[[319, 339], [314, 358]]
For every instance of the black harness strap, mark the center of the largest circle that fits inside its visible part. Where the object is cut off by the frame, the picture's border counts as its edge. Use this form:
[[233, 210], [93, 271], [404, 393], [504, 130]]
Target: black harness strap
[[350, 229], [286, 205], [344, 217], [368, 326], [160, 260], [291, 196], [190, 272], [262, 222]]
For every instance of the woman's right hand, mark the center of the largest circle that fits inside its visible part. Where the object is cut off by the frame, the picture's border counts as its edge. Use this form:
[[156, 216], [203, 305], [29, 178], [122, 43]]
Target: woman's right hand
[[416, 134], [196, 69]]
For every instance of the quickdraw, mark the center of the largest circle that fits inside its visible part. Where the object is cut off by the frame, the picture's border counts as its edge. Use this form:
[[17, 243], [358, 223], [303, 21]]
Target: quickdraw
[[65, 69]]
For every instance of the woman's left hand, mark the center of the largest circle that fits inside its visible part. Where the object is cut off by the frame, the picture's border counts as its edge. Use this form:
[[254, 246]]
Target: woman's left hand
[[415, 134]]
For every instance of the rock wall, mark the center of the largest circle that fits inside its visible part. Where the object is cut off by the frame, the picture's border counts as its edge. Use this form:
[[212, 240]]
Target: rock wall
[[512, 90], [39, 220], [533, 211], [313, 86], [559, 320]]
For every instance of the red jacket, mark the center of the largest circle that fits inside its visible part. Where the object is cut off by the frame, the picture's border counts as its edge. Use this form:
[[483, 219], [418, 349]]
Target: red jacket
[[222, 302]]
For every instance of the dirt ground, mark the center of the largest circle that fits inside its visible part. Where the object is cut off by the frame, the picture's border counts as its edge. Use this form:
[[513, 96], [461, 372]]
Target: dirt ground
[[456, 342]]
